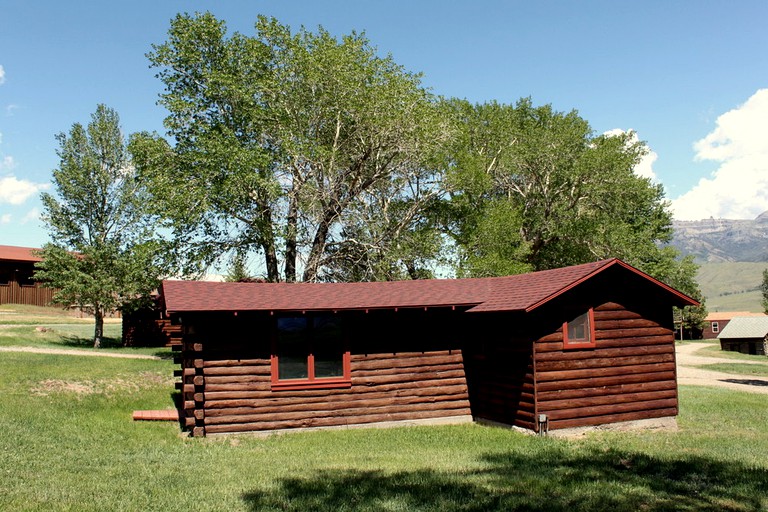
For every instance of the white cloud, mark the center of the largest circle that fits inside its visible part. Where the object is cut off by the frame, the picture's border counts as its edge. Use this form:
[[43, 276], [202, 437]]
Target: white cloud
[[5, 218], [16, 191], [738, 189], [644, 168], [2, 75]]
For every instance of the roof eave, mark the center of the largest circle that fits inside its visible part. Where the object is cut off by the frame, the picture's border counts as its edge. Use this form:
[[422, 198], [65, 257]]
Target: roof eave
[[684, 299]]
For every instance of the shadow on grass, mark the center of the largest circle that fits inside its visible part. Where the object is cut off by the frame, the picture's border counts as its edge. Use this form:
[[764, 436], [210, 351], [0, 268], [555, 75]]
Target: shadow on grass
[[749, 382], [165, 353], [547, 480], [77, 341]]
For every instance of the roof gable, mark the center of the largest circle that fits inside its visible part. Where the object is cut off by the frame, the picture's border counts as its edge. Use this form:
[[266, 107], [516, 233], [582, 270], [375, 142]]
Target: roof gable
[[524, 292]]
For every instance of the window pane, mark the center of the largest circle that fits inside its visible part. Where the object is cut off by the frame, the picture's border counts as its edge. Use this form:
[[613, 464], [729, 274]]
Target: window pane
[[292, 348], [328, 349], [578, 328]]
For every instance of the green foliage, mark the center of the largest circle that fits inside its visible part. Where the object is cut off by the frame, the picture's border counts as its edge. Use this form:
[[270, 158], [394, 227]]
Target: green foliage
[[764, 291], [102, 256], [573, 195], [282, 142], [237, 272]]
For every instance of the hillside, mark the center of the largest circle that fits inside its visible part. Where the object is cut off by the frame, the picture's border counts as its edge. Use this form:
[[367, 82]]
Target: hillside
[[732, 286]]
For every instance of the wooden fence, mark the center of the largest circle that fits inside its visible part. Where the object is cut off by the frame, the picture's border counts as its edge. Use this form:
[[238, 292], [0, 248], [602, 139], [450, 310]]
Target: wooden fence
[[34, 295]]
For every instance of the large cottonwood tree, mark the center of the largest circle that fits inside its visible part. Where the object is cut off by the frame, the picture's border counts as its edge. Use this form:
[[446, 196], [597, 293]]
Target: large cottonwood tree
[[281, 140], [565, 194]]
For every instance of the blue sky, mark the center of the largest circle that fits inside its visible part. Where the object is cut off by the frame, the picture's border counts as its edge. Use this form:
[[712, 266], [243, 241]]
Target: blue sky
[[691, 78]]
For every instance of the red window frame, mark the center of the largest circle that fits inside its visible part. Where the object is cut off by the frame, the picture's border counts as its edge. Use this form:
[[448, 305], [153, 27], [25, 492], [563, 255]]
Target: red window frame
[[311, 382], [577, 343]]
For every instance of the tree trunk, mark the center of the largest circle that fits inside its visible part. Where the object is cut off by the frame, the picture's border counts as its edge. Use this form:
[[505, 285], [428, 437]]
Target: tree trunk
[[98, 333], [290, 241]]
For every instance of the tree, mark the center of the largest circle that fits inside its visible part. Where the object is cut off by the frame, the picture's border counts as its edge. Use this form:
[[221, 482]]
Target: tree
[[237, 272], [102, 255], [764, 290], [574, 194], [283, 141]]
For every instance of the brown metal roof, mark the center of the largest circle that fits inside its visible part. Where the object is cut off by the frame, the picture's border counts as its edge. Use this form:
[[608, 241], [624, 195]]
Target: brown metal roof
[[523, 292], [14, 253], [715, 316]]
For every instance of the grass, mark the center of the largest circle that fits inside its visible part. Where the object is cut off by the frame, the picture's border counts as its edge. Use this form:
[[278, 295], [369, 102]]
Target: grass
[[712, 349], [32, 326], [738, 368], [69, 443]]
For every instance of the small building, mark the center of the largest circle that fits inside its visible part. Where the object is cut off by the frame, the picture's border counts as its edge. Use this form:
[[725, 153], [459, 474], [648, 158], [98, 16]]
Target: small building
[[17, 286], [716, 321], [577, 346], [746, 335]]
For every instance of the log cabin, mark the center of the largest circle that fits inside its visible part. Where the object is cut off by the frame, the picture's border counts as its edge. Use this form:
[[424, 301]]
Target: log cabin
[[578, 346]]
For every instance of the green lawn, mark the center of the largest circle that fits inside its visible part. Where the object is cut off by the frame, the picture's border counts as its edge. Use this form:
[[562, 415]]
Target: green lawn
[[737, 368], [711, 348], [33, 326], [68, 443]]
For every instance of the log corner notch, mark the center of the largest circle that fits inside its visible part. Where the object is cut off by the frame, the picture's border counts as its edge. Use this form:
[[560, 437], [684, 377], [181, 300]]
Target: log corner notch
[[192, 384]]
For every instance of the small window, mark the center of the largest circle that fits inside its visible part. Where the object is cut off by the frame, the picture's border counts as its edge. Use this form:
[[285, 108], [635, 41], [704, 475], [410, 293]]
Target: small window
[[25, 279], [310, 352], [580, 331], [715, 327]]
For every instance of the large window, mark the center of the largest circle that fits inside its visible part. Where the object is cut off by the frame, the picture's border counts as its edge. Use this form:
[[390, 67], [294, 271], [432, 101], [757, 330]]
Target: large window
[[580, 331], [310, 352]]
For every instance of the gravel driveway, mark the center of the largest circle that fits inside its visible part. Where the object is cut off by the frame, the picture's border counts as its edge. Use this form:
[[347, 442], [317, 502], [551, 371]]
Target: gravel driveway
[[688, 375]]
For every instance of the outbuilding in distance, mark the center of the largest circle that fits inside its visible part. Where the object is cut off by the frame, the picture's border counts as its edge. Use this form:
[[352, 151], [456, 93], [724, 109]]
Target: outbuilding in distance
[[578, 346], [746, 334]]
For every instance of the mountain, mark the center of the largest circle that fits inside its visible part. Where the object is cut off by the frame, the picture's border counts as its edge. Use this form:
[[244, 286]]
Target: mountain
[[731, 254], [721, 240]]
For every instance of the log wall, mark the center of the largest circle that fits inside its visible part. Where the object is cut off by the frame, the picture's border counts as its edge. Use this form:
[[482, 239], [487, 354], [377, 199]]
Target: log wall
[[629, 375], [754, 346], [399, 372], [500, 373]]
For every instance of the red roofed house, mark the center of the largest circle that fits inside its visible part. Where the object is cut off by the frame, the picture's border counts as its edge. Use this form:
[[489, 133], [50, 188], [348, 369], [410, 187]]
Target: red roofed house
[[578, 346], [716, 321], [17, 266]]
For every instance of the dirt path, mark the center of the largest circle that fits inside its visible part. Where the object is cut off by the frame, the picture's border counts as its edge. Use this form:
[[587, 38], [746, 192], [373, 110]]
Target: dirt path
[[688, 375], [74, 352]]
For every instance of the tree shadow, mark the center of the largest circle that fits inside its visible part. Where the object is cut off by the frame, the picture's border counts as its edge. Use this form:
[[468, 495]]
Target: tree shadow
[[550, 479], [77, 341], [748, 382]]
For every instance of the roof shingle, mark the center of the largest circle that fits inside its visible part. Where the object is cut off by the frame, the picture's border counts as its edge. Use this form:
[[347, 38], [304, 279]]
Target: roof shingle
[[523, 292]]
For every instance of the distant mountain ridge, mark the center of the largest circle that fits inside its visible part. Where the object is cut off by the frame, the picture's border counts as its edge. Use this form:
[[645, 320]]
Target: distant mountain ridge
[[723, 240]]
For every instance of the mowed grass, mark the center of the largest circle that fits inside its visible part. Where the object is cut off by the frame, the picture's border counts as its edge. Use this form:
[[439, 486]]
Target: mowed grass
[[32, 326], [69, 443], [737, 368], [711, 348]]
